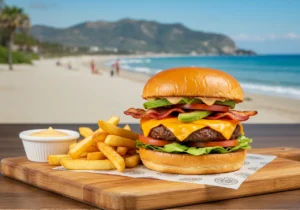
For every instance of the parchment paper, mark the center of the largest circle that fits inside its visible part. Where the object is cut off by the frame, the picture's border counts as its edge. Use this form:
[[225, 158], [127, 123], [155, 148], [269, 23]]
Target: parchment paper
[[231, 180]]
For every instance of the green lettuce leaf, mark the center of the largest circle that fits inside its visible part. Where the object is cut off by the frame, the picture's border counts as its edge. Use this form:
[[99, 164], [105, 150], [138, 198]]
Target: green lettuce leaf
[[179, 148], [164, 102], [156, 103]]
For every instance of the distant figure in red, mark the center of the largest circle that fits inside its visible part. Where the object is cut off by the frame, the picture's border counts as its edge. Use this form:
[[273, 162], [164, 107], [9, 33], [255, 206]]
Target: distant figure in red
[[117, 66], [93, 67]]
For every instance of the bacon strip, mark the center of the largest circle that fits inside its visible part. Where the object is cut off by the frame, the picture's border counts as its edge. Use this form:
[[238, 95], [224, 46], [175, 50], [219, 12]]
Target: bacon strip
[[232, 115], [151, 113], [135, 113], [163, 113]]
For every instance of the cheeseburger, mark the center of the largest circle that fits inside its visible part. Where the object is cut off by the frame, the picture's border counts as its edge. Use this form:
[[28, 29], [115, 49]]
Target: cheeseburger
[[189, 125]]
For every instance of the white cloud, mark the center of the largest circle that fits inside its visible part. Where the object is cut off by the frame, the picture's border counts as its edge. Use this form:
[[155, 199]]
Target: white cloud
[[268, 37], [292, 36]]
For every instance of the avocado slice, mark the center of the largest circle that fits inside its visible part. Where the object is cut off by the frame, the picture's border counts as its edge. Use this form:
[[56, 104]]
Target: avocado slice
[[193, 116], [229, 103]]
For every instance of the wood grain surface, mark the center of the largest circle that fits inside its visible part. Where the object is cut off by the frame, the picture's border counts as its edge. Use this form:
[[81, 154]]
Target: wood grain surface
[[14, 194], [116, 192], [281, 152]]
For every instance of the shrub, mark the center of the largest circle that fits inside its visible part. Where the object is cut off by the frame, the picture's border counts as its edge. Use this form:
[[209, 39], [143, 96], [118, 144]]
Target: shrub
[[17, 57]]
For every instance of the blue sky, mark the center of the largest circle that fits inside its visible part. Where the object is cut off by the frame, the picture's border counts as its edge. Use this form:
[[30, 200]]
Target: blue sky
[[266, 26]]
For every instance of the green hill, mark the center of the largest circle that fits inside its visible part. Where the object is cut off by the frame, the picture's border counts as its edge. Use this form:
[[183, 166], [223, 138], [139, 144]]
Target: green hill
[[137, 36]]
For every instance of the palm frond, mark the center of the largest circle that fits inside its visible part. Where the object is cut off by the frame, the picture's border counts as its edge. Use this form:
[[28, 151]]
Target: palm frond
[[13, 18]]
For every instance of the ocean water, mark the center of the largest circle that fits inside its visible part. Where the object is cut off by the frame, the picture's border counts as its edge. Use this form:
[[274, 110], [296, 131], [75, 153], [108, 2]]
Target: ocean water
[[267, 74]]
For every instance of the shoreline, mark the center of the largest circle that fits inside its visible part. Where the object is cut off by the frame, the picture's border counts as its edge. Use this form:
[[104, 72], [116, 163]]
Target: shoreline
[[266, 103], [256, 89], [47, 93]]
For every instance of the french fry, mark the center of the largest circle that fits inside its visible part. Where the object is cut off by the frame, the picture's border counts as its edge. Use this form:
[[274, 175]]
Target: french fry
[[132, 161], [99, 137], [127, 127], [92, 148], [87, 164], [95, 156], [112, 120], [54, 160], [114, 130], [83, 155], [122, 150], [81, 147], [112, 155], [72, 145], [109, 147], [132, 152], [114, 140], [86, 131]]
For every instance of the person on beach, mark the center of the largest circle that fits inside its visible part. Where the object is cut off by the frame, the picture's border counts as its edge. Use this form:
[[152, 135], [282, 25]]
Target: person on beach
[[93, 67], [112, 70], [117, 66]]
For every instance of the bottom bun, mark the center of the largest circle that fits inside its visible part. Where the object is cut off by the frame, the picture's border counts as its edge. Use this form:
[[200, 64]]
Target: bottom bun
[[190, 164]]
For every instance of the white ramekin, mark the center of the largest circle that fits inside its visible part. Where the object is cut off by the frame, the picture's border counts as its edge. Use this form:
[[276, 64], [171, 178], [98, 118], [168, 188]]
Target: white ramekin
[[38, 148]]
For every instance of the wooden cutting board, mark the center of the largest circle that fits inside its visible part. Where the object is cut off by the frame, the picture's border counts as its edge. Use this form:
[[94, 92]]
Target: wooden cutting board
[[118, 192]]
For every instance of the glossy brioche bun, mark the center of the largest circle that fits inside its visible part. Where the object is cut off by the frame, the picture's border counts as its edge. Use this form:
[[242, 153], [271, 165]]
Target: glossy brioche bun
[[189, 164], [193, 82]]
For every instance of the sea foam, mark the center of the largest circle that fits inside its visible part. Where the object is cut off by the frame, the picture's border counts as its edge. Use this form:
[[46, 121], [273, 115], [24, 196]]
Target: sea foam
[[272, 75], [272, 90]]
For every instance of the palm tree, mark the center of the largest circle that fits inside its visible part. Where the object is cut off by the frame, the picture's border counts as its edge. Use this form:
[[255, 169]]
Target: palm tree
[[2, 32], [11, 19]]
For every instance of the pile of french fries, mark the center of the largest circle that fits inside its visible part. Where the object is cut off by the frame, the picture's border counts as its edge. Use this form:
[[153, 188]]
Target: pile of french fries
[[109, 147]]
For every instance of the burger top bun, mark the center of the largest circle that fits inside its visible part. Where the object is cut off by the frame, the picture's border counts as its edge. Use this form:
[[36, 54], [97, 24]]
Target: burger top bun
[[193, 82]]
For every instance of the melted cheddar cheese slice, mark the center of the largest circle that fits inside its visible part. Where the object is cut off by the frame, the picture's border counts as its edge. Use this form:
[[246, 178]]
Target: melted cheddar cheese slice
[[183, 130]]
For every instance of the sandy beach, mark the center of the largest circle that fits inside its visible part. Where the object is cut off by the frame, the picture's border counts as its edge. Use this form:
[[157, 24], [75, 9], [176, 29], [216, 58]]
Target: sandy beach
[[47, 93]]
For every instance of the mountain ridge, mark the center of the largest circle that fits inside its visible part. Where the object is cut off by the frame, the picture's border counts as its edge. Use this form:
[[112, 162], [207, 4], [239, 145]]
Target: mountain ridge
[[138, 36]]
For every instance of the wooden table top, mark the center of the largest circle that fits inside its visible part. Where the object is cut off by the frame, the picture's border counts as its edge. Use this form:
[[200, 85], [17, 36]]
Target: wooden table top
[[14, 194]]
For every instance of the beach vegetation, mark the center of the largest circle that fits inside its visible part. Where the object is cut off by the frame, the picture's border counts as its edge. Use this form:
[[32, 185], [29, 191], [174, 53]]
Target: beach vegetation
[[17, 57], [13, 19], [25, 40]]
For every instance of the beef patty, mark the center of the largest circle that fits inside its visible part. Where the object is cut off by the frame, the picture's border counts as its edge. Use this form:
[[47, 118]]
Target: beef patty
[[204, 134]]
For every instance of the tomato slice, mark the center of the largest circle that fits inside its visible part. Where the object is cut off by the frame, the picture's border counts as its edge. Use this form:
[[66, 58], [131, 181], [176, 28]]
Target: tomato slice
[[216, 108], [155, 142], [224, 143]]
